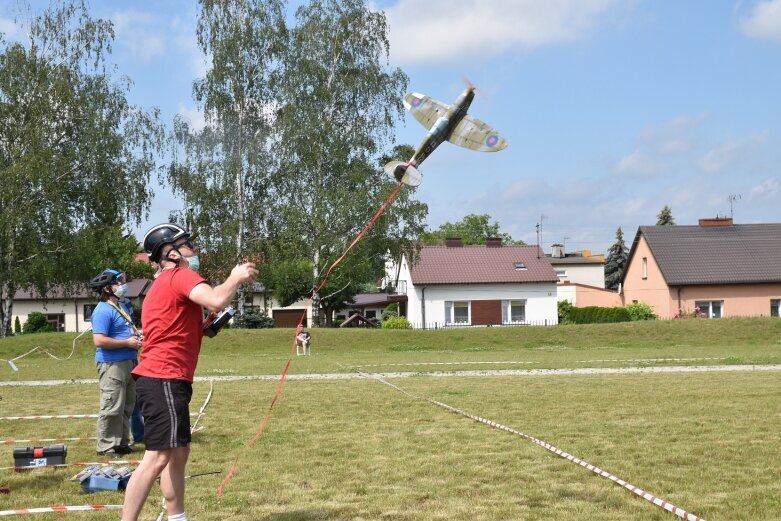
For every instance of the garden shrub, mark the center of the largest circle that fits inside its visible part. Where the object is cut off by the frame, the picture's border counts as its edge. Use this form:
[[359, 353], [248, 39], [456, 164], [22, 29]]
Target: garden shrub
[[641, 311], [598, 315], [396, 323], [254, 320], [36, 323]]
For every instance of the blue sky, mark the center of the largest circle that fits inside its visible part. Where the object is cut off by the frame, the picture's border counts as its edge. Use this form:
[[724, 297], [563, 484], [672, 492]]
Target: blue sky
[[612, 108]]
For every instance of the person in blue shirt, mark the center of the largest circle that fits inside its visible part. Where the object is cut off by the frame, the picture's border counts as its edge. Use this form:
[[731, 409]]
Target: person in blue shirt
[[117, 342], [136, 420]]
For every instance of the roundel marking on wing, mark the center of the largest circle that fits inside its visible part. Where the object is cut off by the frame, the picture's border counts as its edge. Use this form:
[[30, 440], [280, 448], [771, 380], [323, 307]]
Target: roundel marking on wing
[[416, 102], [491, 140]]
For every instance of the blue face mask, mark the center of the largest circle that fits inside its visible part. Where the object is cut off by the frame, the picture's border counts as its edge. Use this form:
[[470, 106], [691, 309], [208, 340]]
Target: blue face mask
[[121, 291], [194, 262]]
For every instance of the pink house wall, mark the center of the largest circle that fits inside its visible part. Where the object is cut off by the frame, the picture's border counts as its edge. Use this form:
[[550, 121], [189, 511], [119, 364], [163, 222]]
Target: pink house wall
[[739, 299], [586, 295], [649, 287]]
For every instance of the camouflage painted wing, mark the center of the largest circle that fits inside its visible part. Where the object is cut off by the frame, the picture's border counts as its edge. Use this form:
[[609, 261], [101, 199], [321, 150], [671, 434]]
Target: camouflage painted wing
[[427, 110], [474, 134]]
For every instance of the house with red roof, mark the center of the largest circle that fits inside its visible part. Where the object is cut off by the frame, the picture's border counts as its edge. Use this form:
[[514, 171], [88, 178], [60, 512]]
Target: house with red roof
[[477, 285]]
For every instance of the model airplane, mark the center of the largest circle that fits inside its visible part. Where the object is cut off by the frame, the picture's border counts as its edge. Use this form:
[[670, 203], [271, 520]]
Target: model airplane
[[445, 122]]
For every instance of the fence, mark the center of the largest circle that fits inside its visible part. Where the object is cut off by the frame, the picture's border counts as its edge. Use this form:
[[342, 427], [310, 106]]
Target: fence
[[443, 325]]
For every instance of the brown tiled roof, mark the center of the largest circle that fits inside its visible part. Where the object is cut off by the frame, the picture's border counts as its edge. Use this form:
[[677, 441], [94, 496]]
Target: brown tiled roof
[[481, 265], [698, 255], [136, 288]]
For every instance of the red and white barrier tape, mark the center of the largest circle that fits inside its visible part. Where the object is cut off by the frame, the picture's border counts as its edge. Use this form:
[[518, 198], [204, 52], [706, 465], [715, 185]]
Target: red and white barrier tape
[[79, 464], [70, 416], [683, 514], [41, 440], [43, 510], [283, 376], [50, 417]]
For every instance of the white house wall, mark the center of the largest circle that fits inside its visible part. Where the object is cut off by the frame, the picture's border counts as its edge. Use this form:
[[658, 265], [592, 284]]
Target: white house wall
[[582, 274], [72, 309], [541, 305]]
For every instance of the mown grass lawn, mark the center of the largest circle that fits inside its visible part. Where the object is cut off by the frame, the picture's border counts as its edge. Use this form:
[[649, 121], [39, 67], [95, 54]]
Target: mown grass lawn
[[357, 449]]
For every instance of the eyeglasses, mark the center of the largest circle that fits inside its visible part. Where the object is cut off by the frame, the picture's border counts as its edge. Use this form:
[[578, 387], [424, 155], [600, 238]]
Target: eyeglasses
[[188, 243]]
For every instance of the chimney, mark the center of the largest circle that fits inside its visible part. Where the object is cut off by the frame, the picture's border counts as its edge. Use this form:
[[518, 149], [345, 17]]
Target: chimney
[[557, 251], [454, 242], [493, 242], [716, 221]]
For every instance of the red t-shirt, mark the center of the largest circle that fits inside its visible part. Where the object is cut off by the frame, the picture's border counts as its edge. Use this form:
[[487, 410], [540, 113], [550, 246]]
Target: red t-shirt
[[172, 325]]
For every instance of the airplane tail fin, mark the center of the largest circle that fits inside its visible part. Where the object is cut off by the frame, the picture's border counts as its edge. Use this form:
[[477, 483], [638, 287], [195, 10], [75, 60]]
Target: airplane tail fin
[[403, 172]]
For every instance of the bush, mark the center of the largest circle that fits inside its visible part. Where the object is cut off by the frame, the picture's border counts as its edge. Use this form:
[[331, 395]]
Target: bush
[[391, 310], [254, 320], [36, 323], [396, 323], [17, 327], [641, 311], [565, 306], [598, 315]]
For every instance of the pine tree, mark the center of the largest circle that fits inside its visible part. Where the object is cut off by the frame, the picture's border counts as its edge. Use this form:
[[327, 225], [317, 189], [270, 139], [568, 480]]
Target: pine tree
[[616, 261], [665, 217]]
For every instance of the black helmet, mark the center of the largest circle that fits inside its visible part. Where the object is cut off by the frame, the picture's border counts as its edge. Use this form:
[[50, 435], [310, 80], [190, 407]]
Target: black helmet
[[159, 236], [106, 278]]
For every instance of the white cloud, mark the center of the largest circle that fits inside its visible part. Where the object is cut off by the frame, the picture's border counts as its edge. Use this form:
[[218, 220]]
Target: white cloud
[[727, 154], [10, 29], [193, 116], [764, 21], [638, 164], [426, 31], [672, 137], [767, 189], [140, 33]]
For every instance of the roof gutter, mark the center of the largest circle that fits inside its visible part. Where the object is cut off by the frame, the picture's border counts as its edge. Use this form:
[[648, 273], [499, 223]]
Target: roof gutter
[[423, 305]]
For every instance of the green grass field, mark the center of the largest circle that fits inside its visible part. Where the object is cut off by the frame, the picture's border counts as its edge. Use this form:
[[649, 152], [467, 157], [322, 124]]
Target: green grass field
[[356, 449]]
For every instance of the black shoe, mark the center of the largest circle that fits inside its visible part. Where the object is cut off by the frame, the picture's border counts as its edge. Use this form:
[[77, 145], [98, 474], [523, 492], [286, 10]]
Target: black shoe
[[123, 449], [110, 453]]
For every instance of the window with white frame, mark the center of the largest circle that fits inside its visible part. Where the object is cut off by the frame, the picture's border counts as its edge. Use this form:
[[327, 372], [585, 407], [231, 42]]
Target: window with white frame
[[710, 308], [645, 267], [457, 312], [775, 304], [561, 274], [516, 311]]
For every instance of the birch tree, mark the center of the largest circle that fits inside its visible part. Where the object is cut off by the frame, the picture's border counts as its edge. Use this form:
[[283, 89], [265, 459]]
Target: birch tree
[[75, 155]]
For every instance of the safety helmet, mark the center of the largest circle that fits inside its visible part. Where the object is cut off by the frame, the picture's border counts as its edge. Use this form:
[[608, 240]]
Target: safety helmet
[[159, 236], [106, 278]]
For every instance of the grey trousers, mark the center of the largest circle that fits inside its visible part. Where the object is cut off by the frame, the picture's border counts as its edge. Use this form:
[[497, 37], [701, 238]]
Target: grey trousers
[[117, 399]]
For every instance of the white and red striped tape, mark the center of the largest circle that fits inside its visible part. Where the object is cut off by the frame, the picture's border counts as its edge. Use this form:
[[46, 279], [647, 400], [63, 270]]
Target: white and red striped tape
[[683, 514], [49, 417], [10, 441], [43, 510], [66, 416], [79, 464]]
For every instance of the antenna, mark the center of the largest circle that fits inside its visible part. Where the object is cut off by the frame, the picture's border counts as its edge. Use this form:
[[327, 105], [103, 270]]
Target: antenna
[[564, 244], [539, 234], [732, 198], [538, 240]]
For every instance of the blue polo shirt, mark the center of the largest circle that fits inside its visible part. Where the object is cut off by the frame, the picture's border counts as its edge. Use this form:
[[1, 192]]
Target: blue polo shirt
[[106, 320]]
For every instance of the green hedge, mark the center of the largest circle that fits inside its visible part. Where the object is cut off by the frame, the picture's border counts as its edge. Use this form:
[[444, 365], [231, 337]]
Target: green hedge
[[598, 315]]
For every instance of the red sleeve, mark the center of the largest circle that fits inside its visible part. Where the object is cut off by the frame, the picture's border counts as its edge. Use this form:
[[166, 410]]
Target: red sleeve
[[184, 280]]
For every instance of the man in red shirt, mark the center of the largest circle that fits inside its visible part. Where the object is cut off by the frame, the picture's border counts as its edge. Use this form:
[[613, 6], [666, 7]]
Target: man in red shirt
[[172, 316]]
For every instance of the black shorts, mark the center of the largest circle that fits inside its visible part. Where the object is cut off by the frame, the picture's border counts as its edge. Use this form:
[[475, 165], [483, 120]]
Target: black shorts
[[165, 406]]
